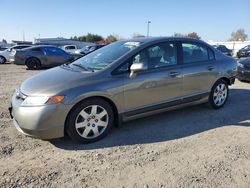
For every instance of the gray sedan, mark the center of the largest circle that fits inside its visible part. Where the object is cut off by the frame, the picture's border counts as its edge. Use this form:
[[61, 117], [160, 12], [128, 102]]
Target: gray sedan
[[36, 57], [120, 82]]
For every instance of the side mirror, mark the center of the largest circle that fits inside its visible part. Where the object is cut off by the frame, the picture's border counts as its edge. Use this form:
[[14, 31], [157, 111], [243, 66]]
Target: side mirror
[[137, 67]]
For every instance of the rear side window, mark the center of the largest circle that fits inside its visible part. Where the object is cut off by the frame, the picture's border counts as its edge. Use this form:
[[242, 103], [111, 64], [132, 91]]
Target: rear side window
[[20, 47], [196, 53], [70, 48], [53, 51], [36, 49]]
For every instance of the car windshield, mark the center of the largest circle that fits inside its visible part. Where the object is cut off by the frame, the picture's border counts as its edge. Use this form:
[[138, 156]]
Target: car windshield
[[103, 57]]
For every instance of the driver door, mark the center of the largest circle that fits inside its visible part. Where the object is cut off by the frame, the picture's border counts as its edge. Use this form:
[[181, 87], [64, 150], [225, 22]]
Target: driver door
[[160, 83]]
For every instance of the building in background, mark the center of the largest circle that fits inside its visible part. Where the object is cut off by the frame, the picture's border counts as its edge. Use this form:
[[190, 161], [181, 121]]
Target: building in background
[[61, 42]]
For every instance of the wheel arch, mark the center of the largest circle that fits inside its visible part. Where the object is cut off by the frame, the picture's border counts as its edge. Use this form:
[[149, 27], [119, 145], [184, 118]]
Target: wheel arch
[[3, 57], [32, 57], [111, 103], [227, 80]]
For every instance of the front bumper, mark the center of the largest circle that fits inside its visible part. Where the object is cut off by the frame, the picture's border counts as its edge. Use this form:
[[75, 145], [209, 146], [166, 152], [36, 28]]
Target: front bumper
[[44, 122]]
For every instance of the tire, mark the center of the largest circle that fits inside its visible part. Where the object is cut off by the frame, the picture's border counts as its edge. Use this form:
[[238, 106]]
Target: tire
[[219, 94], [33, 64], [2, 60], [83, 124]]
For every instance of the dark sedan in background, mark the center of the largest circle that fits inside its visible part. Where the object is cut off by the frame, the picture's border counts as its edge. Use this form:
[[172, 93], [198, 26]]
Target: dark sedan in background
[[224, 50], [37, 57], [244, 52], [89, 49], [244, 70]]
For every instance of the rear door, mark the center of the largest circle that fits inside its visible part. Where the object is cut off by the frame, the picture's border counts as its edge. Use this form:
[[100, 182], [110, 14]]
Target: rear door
[[199, 68]]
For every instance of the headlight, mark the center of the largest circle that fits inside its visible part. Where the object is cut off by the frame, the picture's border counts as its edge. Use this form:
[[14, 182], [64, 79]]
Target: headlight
[[240, 65], [42, 100]]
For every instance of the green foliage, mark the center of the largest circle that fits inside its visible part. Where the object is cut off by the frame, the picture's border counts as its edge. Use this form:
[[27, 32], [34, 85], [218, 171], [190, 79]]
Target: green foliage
[[88, 38], [111, 38], [192, 35], [138, 35]]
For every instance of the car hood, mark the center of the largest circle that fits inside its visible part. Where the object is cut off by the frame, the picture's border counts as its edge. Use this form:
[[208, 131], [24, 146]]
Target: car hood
[[54, 81]]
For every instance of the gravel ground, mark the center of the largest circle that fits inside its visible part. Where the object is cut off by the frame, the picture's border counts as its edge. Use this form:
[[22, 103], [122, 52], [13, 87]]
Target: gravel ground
[[191, 147]]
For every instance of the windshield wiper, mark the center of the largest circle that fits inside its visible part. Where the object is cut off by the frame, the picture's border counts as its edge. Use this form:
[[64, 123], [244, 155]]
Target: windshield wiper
[[82, 67]]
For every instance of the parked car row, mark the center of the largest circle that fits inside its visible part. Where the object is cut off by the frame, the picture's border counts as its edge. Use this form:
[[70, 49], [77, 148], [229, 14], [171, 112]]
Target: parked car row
[[244, 70], [224, 49], [40, 56], [5, 54], [244, 52], [89, 49]]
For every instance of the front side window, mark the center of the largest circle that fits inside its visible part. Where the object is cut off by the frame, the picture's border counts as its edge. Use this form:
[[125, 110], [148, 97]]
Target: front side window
[[160, 55], [194, 53]]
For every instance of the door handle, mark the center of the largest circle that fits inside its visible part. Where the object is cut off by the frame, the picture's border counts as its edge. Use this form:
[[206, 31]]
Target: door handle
[[174, 74], [210, 67]]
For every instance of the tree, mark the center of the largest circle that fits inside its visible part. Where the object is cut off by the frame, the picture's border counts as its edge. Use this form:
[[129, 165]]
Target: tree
[[93, 37], [238, 35], [4, 41], [179, 35], [111, 38], [88, 38], [138, 35], [193, 35]]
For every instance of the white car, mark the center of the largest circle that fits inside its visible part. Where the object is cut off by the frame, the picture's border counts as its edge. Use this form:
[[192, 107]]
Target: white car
[[69, 48], [5, 55]]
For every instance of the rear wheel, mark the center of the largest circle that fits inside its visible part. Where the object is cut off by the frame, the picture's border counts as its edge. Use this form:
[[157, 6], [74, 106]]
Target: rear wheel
[[90, 121], [33, 64], [219, 94], [2, 60]]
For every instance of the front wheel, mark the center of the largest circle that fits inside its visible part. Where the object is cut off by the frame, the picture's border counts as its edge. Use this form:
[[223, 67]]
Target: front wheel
[[219, 94], [90, 121], [2, 60]]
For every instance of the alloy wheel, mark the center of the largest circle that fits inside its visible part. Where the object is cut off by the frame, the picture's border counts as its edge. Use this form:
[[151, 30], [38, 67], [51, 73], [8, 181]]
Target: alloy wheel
[[220, 94], [91, 121]]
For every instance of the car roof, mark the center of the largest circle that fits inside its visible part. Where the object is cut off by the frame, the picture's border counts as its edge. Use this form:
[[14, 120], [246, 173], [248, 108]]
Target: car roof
[[150, 39], [39, 46]]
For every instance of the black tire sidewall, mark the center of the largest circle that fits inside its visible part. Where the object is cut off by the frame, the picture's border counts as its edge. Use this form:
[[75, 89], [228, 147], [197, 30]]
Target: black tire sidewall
[[4, 60], [31, 65], [70, 122], [211, 100]]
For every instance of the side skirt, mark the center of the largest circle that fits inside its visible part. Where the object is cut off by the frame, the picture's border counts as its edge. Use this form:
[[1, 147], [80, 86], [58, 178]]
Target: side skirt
[[159, 108]]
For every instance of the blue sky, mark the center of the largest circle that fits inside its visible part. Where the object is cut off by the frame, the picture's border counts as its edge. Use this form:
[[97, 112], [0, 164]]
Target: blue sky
[[211, 19]]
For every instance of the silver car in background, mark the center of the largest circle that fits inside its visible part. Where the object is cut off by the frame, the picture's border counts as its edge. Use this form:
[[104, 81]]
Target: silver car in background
[[120, 82]]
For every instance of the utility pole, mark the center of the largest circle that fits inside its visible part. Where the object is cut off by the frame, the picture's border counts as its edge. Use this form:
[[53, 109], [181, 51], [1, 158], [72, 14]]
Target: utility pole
[[148, 28], [23, 36]]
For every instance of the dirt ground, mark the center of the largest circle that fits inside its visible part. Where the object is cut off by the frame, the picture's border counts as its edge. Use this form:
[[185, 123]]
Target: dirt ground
[[191, 147]]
